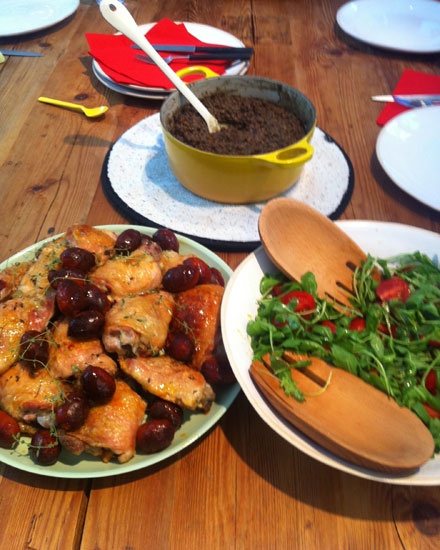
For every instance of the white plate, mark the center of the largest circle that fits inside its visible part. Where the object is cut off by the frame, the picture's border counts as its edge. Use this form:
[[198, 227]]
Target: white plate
[[240, 305], [25, 16], [404, 25], [195, 425], [126, 90], [205, 33], [408, 148]]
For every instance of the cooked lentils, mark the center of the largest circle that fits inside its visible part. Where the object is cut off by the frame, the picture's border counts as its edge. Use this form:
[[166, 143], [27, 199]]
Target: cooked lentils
[[255, 126]]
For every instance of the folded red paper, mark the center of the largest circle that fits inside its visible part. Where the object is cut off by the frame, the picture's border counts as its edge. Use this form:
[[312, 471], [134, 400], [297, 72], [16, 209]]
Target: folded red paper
[[117, 60], [411, 82]]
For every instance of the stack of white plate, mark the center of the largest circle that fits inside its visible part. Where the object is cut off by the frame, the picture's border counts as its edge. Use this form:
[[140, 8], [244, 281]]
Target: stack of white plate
[[205, 33]]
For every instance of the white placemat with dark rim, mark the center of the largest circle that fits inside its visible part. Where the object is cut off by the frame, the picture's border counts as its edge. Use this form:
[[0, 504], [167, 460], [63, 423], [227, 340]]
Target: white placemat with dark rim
[[138, 181]]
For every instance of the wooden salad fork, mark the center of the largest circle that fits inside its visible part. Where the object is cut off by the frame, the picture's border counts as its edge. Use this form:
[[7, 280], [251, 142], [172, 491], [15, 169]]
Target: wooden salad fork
[[347, 416]]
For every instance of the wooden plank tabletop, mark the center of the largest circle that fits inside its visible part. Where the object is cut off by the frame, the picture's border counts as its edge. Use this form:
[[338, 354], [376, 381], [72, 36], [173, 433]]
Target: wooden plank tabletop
[[241, 486]]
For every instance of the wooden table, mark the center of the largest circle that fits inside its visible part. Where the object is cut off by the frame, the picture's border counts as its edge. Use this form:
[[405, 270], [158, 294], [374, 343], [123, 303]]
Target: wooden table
[[241, 486]]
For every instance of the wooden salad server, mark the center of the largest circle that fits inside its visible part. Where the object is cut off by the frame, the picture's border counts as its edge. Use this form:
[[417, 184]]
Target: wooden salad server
[[348, 417], [298, 239]]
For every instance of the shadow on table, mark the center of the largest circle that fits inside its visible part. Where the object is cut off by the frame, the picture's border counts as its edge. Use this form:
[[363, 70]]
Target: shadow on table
[[398, 195]]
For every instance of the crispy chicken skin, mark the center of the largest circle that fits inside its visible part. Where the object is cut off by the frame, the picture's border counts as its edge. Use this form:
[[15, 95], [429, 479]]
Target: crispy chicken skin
[[109, 430], [31, 305], [69, 356], [170, 258], [98, 241], [137, 273], [171, 380], [34, 281], [18, 315], [138, 325], [25, 395], [197, 313], [10, 278]]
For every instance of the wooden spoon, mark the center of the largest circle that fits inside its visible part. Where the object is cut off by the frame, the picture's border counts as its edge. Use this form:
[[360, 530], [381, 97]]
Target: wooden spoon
[[120, 18], [349, 418], [297, 239]]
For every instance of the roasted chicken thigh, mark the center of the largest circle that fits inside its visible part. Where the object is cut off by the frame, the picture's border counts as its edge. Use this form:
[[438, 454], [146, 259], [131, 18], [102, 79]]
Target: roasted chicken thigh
[[70, 356], [17, 316], [27, 395], [138, 325], [110, 429], [197, 314]]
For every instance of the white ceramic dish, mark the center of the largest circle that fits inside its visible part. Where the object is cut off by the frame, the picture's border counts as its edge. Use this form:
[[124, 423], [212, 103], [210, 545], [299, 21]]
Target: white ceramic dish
[[404, 25], [193, 427], [25, 16], [206, 33], [240, 305], [408, 148]]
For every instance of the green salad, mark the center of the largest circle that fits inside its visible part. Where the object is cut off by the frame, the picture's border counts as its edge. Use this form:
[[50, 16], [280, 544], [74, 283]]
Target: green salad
[[389, 337]]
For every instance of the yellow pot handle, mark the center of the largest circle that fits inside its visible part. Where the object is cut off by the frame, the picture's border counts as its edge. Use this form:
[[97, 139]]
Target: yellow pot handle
[[196, 69], [289, 156]]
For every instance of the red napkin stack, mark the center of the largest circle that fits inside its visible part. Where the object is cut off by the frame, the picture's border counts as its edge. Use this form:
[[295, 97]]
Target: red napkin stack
[[411, 82], [117, 59]]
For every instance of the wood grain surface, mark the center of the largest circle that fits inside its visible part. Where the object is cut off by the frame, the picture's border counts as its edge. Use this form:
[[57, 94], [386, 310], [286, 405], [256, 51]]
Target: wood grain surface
[[241, 486]]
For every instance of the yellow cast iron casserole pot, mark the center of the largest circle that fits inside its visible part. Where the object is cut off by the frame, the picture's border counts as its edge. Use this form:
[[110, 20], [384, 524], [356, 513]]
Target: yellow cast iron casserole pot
[[246, 178]]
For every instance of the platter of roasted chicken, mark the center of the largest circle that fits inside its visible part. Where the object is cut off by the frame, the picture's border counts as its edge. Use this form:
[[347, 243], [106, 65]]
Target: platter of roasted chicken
[[111, 356]]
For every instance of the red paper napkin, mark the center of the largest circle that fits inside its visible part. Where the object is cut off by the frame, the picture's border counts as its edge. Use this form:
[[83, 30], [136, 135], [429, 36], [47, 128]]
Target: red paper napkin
[[411, 82], [117, 59]]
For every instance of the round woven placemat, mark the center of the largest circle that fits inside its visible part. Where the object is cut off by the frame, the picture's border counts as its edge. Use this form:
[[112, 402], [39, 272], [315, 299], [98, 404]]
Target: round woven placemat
[[138, 181]]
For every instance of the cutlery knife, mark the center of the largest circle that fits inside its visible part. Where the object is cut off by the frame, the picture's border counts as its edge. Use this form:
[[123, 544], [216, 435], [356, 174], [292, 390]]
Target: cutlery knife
[[194, 57], [21, 53], [244, 53], [410, 100]]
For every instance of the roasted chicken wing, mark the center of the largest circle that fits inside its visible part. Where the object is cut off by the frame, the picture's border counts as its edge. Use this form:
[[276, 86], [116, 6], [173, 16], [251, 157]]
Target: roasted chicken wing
[[98, 241], [125, 275], [171, 380]]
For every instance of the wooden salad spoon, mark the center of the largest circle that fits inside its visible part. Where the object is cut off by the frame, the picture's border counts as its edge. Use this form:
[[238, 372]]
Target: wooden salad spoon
[[297, 238], [347, 416], [343, 413]]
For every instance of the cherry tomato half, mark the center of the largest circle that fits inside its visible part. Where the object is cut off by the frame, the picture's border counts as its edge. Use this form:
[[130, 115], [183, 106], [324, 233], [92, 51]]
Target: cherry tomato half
[[306, 302], [431, 382], [358, 324], [393, 289], [432, 412], [330, 325]]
